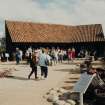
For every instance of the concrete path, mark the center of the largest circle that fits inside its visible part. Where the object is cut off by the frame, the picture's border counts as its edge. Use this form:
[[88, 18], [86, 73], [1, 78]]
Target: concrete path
[[18, 90]]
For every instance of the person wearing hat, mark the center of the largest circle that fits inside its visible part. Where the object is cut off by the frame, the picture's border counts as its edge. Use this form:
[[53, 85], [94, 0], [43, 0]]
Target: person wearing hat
[[96, 89], [92, 70], [98, 81], [98, 84], [85, 66]]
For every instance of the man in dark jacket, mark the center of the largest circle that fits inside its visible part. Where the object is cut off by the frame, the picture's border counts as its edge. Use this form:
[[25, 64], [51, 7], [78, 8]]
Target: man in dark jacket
[[96, 90], [33, 65]]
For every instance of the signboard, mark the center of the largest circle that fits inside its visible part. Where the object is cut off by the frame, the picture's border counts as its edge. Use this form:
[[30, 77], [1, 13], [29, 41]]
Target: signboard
[[6, 55]]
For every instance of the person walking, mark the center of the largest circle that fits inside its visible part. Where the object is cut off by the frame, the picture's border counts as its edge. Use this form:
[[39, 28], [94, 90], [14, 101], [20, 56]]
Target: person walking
[[17, 56], [33, 65], [43, 63], [21, 55], [69, 55]]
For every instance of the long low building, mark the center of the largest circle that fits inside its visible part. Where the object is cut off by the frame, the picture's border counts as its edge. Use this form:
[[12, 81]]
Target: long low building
[[26, 34]]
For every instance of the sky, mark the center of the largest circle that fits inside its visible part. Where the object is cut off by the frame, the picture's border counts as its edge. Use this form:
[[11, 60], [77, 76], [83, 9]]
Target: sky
[[67, 12]]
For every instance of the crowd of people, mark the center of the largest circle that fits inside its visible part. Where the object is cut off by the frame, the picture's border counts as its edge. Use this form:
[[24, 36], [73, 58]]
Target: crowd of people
[[44, 57], [54, 55], [57, 55]]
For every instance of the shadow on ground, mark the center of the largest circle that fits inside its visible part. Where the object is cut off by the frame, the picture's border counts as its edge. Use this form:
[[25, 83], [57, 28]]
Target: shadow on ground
[[16, 77], [71, 71], [71, 81], [74, 78], [13, 63], [67, 87], [63, 70], [21, 78]]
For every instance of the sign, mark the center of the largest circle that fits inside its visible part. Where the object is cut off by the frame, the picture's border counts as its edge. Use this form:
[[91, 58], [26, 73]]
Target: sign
[[6, 55]]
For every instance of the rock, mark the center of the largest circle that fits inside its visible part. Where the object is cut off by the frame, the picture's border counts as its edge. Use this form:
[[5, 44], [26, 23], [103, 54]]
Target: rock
[[52, 98], [59, 102], [51, 89], [72, 102], [74, 96], [56, 89], [61, 90], [5, 73], [64, 96], [47, 93], [67, 104], [46, 96], [51, 92]]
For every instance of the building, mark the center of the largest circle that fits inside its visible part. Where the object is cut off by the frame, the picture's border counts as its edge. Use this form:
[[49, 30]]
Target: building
[[26, 34], [2, 42], [2, 45]]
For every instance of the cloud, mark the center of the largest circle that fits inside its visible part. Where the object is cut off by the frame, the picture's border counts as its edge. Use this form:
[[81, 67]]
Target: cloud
[[70, 12], [63, 11]]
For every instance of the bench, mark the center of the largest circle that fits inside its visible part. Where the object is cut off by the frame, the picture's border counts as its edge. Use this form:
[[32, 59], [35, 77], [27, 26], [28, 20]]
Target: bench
[[82, 85]]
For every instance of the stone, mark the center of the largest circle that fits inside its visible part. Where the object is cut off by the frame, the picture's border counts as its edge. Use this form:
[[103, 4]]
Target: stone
[[74, 96], [67, 104], [46, 96], [56, 89], [51, 92], [65, 96], [52, 98], [72, 102], [61, 90], [5, 73], [59, 102]]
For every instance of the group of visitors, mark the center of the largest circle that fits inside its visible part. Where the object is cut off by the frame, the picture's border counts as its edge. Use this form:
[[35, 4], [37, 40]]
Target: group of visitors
[[39, 59], [86, 53], [71, 54], [58, 55]]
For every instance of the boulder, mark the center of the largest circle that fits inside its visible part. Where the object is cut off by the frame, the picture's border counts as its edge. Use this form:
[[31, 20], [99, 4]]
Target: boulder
[[4, 73], [46, 96], [52, 92], [67, 104], [72, 102], [61, 90], [74, 96], [56, 89], [59, 102], [52, 98], [64, 96]]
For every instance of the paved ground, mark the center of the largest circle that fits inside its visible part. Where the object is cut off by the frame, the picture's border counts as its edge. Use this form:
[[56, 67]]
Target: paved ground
[[18, 90]]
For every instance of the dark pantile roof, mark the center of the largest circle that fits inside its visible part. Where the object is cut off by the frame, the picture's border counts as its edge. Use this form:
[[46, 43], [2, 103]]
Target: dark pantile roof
[[36, 32], [88, 33]]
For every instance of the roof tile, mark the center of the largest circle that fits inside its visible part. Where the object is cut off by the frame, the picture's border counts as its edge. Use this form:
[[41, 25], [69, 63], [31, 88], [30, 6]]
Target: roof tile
[[37, 32]]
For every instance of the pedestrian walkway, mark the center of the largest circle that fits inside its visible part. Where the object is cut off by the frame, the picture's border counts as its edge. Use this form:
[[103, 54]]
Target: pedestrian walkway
[[18, 90]]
